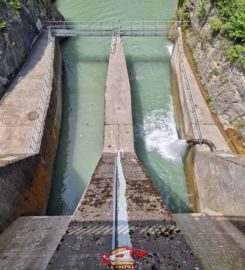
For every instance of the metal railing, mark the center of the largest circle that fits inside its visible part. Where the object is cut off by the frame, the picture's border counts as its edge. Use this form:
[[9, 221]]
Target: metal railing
[[188, 88], [37, 131], [126, 28]]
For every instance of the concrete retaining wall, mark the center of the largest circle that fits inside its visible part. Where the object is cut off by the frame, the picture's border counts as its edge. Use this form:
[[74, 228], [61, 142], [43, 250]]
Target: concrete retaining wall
[[25, 183], [187, 84], [220, 182], [217, 184]]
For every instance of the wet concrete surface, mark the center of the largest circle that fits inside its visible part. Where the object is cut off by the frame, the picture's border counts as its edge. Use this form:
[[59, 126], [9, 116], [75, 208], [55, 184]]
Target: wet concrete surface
[[151, 227], [90, 232], [29, 242], [218, 244]]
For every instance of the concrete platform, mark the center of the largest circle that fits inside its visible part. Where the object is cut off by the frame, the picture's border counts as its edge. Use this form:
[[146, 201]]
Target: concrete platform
[[218, 244], [151, 227], [118, 128], [18, 107], [30, 242]]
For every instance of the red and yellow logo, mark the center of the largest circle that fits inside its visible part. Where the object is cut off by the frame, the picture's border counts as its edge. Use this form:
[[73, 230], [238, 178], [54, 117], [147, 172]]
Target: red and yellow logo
[[123, 258]]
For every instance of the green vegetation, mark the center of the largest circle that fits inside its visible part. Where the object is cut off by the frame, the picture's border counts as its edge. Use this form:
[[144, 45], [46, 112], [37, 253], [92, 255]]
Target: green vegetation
[[232, 15], [216, 24], [230, 23], [240, 125], [3, 25], [236, 53], [203, 10], [14, 4], [208, 98], [181, 2]]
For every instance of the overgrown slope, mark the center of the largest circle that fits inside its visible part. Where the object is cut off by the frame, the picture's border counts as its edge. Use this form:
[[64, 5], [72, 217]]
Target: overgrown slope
[[19, 23], [215, 32]]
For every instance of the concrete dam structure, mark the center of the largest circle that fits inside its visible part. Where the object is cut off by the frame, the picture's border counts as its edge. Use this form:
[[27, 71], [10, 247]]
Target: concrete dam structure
[[180, 241], [147, 214], [30, 124]]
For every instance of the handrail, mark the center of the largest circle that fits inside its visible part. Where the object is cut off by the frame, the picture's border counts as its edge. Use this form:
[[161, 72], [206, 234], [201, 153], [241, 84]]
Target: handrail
[[182, 68], [115, 210], [66, 28], [120, 227]]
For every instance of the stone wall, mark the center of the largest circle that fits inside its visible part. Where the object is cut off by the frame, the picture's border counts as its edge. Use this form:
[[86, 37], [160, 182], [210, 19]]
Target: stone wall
[[25, 183], [223, 80]]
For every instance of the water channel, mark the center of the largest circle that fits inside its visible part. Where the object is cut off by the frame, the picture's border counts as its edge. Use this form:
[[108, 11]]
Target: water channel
[[85, 68]]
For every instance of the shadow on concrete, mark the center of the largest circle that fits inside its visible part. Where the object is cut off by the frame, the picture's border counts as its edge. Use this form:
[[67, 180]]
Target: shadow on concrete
[[84, 242]]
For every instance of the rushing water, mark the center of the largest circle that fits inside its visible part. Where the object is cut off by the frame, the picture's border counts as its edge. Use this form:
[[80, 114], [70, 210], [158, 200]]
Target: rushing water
[[81, 140]]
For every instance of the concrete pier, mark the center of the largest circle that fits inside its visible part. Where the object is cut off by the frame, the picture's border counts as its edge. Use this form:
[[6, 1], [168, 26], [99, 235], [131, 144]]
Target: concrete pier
[[118, 127]]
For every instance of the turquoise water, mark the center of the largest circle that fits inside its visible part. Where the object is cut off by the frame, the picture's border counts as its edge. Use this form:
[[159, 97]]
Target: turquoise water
[[81, 139]]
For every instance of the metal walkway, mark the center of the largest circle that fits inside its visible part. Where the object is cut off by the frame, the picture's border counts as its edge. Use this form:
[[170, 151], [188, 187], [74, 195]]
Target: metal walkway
[[101, 29]]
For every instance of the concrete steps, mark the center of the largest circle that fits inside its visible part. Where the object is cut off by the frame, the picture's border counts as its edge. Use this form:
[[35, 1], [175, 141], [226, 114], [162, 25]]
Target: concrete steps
[[30, 242], [214, 240]]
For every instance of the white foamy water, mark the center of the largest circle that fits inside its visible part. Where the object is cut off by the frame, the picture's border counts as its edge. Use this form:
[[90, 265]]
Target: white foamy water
[[159, 133], [170, 48]]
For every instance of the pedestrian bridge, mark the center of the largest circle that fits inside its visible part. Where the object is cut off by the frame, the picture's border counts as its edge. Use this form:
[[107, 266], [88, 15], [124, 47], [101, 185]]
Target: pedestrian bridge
[[100, 29]]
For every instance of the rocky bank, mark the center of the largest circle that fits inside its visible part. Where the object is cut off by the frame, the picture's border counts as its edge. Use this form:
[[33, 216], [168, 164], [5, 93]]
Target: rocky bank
[[223, 79], [20, 23]]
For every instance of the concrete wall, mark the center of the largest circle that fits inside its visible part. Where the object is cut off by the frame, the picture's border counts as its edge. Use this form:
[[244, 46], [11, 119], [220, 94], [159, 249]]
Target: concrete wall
[[186, 84], [25, 183], [216, 183], [219, 179]]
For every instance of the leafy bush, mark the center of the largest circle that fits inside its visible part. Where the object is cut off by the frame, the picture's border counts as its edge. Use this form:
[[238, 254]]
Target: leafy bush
[[236, 26], [236, 53], [203, 11], [14, 4], [233, 17], [2, 25], [216, 24]]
